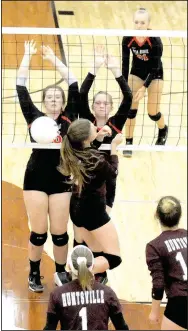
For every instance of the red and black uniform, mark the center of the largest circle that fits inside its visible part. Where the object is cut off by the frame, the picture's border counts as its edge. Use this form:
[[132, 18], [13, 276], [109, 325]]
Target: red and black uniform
[[115, 122], [88, 209], [146, 63], [84, 310], [41, 172], [166, 258]]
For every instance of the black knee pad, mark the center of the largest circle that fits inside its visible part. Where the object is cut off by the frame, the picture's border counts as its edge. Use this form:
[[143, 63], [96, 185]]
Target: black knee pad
[[132, 113], [156, 117], [38, 239], [60, 239], [113, 260]]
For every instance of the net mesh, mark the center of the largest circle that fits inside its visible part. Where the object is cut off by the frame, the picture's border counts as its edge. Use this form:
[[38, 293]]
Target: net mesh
[[78, 53]]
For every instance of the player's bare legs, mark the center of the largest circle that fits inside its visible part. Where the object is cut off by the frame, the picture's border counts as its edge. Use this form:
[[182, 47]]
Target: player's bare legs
[[169, 325], [135, 83], [155, 90], [59, 215], [36, 203]]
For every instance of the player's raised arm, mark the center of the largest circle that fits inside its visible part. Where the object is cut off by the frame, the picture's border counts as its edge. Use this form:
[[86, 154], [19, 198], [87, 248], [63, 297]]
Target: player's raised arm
[[65, 72], [29, 110], [99, 59], [22, 74], [119, 119]]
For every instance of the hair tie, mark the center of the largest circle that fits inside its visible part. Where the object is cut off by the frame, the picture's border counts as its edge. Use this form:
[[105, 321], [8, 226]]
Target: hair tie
[[81, 259]]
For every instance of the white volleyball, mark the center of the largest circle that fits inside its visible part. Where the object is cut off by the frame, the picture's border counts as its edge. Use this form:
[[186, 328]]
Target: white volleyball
[[44, 130]]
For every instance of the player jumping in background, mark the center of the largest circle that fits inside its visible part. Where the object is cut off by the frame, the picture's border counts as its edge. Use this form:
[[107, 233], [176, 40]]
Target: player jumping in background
[[146, 73], [166, 258]]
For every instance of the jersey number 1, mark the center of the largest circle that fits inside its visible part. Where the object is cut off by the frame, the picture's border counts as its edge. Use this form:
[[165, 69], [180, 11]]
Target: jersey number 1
[[83, 315], [179, 257]]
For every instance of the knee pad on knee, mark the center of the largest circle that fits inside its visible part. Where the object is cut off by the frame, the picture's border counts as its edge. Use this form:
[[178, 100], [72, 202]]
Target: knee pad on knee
[[60, 239], [132, 113], [113, 260], [38, 239], [156, 117]]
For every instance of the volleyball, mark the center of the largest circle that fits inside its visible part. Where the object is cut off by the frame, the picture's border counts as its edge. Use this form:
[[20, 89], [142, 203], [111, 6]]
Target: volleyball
[[44, 130]]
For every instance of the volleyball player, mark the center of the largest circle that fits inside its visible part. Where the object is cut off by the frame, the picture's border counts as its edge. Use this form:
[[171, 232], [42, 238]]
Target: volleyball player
[[84, 304], [46, 191], [89, 171], [166, 258], [146, 73], [103, 105]]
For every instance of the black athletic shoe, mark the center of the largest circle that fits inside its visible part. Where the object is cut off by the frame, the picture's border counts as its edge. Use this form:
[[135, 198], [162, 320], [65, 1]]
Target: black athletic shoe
[[35, 283], [61, 278], [126, 152], [162, 136], [101, 279]]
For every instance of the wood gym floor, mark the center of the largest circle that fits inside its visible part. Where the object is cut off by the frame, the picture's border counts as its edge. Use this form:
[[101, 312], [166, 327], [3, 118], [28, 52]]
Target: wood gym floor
[[142, 180]]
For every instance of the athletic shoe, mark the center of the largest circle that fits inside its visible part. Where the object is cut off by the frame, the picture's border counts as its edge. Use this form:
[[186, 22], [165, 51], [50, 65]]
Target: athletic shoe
[[61, 278], [162, 136], [35, 283], [126, 152]]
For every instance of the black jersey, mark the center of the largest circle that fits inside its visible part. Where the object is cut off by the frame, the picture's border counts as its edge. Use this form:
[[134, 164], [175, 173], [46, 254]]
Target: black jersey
[[41, 158], [166, 257], [88, 209], [115, 122], [146, 62], [84, 310]]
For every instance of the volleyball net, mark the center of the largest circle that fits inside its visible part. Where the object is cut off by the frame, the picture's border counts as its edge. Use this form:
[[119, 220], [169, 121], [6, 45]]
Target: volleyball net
[[76, 49]]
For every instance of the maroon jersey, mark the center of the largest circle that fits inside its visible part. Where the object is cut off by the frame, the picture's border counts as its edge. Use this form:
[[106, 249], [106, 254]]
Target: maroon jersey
[[83, 310], [166, 258]]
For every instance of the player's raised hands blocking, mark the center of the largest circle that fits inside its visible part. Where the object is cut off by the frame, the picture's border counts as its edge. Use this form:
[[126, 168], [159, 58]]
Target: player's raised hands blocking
[[111, 62], [30, 47], [47, 52], [99, 56], [118, 139]]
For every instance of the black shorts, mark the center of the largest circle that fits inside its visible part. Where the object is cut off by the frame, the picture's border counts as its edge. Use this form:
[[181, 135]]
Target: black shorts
[[48, 180], [110, 191], [176, 311], [89, 213], [143, 74]]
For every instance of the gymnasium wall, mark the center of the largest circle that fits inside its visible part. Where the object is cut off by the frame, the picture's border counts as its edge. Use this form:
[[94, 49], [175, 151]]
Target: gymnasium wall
[[27, 14]]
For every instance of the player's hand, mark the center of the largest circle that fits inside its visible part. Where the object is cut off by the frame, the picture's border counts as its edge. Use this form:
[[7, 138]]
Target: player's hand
[[118, 139], [139, 94], [99, 56], [30, 47], [47, 52], [111, 62], [105, 131], [153, 318]]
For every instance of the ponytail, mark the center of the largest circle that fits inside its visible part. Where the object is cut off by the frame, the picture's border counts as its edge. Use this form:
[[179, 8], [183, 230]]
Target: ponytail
[[85, 277], [75, 160]]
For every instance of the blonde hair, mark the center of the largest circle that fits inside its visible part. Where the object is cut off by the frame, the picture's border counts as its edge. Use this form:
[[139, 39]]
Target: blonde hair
[[169, 211], [143, 11], [81, 260], [75, 160]]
